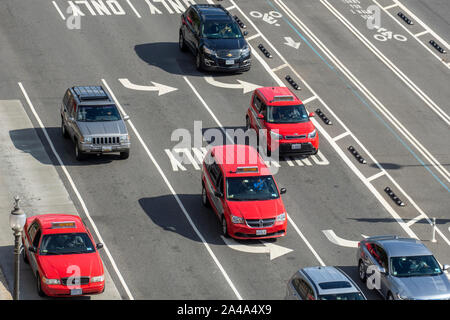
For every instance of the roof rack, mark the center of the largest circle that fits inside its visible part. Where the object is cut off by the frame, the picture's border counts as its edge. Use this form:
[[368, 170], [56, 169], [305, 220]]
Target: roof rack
[[90, 93]]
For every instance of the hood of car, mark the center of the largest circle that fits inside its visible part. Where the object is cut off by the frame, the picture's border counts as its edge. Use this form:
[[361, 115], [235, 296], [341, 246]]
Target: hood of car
[[257, 209], [102, 128], [62, 266], [225, 44], [301, 128], [431, 287]]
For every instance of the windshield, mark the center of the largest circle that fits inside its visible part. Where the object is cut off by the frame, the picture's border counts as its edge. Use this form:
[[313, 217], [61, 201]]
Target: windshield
[[221, 30], [287, 114], [342, 296], [66, 243], [98, 113], [251, 188], [415, 266]]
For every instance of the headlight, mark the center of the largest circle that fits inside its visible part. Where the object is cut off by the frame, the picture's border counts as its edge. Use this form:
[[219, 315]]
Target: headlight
[[312, 134], [50, 281], [245, 51], [209, 51], [86, 139], [281, 217], [276, 135], [98, 279], [237, 220], [125, 138]]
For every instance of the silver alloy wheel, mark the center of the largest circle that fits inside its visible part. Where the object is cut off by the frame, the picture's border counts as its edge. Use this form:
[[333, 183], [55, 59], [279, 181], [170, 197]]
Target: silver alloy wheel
[[362, 273], [224, 226]]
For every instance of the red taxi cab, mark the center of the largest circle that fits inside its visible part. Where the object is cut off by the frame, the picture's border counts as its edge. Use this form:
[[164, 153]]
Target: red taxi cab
[[240, 188], [61, 252], [285, 119]]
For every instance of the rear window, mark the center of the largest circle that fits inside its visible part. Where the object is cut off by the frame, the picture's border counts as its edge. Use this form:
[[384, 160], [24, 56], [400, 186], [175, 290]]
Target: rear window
[[334, 285]]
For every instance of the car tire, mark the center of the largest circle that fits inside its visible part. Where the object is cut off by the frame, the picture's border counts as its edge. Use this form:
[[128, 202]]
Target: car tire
[[198, 61], [205, 200], [64, 132], [24, 256], [125, 155], [40, 292], [181, 42], [390, 296], [225, 227], [78, 154], [361, 272]]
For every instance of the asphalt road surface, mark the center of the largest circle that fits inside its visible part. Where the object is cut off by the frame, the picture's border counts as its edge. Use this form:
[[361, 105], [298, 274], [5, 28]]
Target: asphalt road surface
[[384, 88]]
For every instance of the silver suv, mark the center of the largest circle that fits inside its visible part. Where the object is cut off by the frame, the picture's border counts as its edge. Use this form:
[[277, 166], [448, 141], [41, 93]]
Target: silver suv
[[402, 269], [91, 119]]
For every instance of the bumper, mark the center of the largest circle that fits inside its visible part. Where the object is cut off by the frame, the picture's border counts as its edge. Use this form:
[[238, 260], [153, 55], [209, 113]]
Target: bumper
[[240, 231], [98, 148], [64, 291], [211, 63], [300, 147]]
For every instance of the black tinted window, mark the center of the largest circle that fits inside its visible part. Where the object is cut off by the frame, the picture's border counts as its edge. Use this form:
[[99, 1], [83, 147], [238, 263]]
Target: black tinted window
[[98, 113]]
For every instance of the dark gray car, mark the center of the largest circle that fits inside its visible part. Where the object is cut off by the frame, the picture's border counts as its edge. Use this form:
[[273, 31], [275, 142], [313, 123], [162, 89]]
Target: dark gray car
[[89, 116], [402, 269]]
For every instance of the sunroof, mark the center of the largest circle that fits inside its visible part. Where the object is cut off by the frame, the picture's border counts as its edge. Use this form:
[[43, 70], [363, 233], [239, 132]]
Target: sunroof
[[334, 285]]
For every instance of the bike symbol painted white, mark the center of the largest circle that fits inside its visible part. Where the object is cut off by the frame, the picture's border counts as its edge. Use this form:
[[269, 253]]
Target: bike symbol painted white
[[270, 18], [290, 42], [339, 241], [384, 35], [161, 88], [273, 250], [245, 86]]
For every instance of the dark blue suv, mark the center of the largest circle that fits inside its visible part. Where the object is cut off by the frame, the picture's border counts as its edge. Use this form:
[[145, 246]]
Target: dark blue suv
[[215, 38]]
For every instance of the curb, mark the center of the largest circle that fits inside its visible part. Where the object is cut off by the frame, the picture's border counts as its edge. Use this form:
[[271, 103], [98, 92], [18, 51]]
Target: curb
[[4, 291]]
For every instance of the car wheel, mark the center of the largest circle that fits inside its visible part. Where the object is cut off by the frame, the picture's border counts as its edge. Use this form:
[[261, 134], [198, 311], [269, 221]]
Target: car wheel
[[78, 154], [198, 61], [124, 155], [390, 296], [38, 286], [181, 43], [24, 256], [65, 134], [361, 271], [205, 200], [225, 227]]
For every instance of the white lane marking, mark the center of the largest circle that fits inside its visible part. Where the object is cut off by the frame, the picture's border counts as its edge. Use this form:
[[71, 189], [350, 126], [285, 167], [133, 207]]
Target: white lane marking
[[342, 135], [272, 249], [405, 79], [245, 86], [230, 8], [161, 88], [59, 10], [134, 9], [376, 176], [391, 6], [377, 195], [420, 33], [414, 220], [290, 42], [310, 247], [309, 99], [175, 195], [338, 240], [253, 37], [77, 193], [416, 36], [279, 67], [381, 108]]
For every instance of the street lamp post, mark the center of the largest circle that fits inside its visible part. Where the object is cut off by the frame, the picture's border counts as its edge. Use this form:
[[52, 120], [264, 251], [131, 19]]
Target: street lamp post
[[17, 220]]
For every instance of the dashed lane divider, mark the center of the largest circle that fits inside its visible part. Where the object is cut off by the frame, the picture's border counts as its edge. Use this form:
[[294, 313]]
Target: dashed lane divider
[[265, 51], [323, 117], [357, 155], [392, 195], [437, 46], [405, 18]]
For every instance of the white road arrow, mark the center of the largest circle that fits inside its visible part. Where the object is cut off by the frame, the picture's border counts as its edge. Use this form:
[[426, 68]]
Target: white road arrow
[[290, 42], [274, 250], [246, 86], [339, 241], [161, 88]]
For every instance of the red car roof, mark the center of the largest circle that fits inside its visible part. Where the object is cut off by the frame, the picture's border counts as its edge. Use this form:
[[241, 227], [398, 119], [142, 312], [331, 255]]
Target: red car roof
[[233, 156], [46, 221], [269, 94]]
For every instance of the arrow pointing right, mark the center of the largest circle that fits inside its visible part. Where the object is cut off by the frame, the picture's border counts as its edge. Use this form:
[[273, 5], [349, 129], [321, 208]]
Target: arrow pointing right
[[273, 250], [161, 88], [290, 42], [246, 86]]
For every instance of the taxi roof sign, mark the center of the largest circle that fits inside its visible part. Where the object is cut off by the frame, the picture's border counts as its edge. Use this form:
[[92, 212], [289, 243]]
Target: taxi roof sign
[[246, 169], [283, 98], [63, 224]]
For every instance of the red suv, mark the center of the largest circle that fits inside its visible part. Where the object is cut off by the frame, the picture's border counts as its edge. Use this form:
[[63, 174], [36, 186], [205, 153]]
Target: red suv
[[288, 124], [240, 188]]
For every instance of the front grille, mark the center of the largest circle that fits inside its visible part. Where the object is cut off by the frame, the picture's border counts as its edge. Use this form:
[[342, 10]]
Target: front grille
[[302, 136], [228, 54], [75, 281], [105, 140], [247, 235], [260, 223]]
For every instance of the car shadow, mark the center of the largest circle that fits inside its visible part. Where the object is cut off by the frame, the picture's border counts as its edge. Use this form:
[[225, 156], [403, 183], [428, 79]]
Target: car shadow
[[168, 57]]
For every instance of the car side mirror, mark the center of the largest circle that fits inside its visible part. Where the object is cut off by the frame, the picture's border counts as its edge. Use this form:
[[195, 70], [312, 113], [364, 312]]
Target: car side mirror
[[381, 270], [218, 194], [99, 245], [126, 117], [311, 114], [32, 249], [260, 116], [283, 190], [245, 33], [446, 267]]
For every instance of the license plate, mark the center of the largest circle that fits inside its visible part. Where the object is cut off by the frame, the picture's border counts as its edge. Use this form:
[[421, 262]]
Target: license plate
[[296, 146], [76, 292], [106, 149], [261, 232], [229, 61]]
